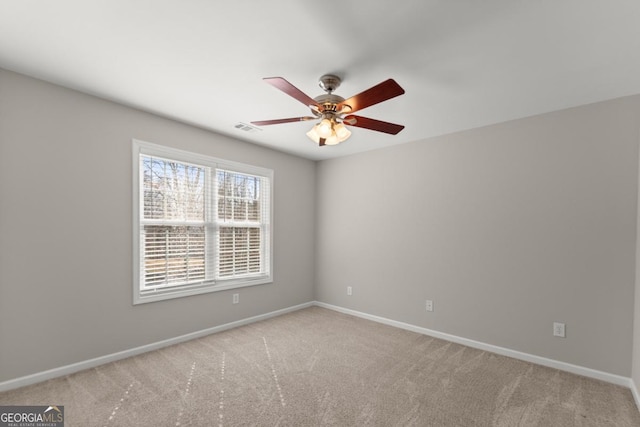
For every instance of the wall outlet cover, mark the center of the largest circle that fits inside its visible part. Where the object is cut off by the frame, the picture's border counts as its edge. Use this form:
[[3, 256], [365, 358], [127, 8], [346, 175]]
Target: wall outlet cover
[[429, 305], [559, 329]]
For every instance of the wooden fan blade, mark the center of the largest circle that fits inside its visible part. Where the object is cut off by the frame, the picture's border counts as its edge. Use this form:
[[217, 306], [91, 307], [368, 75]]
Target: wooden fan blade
[[377, 125], [381, 92], [279, 121], [291, 90]]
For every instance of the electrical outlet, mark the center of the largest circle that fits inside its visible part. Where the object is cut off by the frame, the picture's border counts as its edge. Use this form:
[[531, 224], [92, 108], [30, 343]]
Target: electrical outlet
[[349, 290], [558, 330], [429, 305], [236, 298]]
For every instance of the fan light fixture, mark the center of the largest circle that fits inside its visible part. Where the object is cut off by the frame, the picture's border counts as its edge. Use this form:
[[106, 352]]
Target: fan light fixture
[[330, 130]]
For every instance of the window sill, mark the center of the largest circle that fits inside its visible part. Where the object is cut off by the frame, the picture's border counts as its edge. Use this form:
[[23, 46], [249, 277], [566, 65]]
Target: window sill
[[165, 294]]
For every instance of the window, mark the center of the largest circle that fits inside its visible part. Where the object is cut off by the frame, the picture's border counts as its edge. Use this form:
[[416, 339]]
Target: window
[[201, 224]]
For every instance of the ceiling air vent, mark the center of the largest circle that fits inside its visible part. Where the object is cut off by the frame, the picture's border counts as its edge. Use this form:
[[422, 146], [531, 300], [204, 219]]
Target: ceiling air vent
[[247, 128]]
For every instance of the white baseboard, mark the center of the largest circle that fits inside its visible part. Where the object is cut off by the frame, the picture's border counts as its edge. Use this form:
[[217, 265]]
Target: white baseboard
[[92, 363], [634, 391], [563, 366]]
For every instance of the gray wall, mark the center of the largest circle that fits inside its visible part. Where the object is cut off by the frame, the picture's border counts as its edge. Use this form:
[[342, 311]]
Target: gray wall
[[66, 226], [507, 228], [635, 371]]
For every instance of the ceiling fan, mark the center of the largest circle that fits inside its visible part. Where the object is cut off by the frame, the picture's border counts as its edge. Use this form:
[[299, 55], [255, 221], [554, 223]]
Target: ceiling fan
[[334, 112]]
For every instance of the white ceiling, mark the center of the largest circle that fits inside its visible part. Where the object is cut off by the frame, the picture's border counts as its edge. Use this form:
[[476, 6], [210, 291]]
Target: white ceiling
[[463, 63]]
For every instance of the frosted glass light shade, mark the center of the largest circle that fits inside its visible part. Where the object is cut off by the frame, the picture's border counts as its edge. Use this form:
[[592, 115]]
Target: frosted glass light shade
[[332, 140], [342, 133], [324, 128], [313, 135]]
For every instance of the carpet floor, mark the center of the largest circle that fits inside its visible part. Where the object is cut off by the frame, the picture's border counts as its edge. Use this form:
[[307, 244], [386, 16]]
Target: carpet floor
[[317, 367]]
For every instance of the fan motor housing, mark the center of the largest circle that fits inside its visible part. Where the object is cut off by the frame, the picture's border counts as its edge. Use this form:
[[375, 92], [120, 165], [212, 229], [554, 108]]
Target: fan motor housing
[[329, 103]]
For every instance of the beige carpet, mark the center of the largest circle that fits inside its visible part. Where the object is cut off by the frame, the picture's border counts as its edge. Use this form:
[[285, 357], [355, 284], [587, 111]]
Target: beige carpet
[[316, 367]]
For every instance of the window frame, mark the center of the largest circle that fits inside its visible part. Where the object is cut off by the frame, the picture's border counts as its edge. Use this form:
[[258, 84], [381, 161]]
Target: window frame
[[212, 284]]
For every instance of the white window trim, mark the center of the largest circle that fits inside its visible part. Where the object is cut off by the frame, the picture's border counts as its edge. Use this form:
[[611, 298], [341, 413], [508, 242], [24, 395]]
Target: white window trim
[[142, 147]]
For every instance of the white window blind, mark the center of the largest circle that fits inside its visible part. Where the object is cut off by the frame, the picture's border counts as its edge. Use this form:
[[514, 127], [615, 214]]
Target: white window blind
[[243, 219], [203, 223], [174, 223]]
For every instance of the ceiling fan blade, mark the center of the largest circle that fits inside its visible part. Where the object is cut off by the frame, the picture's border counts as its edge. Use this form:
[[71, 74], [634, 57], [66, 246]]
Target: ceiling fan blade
[[377, 125], [279, 121], [381, 92], [291, 90]]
